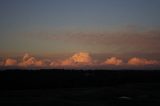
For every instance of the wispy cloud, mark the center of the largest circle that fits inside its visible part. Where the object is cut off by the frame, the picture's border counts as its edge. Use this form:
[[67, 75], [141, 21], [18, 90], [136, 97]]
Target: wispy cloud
[[142, 61]]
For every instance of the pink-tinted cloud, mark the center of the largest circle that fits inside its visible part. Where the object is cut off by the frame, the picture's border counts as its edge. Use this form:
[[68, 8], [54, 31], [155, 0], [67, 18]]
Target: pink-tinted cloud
[[78, 59], [113, 61], [142, 61], [10, 62], [67, 62], [26, 57], [55, 63], [82, 57], [28, 60]]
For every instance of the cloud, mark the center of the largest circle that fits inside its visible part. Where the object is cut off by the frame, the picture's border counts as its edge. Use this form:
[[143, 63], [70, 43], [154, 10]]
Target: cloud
[[28, 60], [142, 61], [55, 63], [10, 62], [1, 63], [81, 58], [113, 61], [26, 57], [77, 60], [67, 62]]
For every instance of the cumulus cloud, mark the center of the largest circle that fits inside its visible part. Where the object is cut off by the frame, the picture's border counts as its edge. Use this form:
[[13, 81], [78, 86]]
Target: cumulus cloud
[[113, 61], [10, 62], [28, 60], [77, 60], [81, 58], [142, 61], [26, 57]]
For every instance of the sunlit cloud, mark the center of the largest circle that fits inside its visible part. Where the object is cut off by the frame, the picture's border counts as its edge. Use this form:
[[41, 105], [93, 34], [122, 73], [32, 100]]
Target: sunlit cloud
[[55, 63], [81, 58], [26, 57], [10, 62], [67, 62], [142, 61], [28, 60], [113, 61], [77, 60]]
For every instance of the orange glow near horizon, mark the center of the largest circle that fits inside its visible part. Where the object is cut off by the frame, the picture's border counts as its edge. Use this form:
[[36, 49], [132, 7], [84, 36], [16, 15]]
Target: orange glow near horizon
[[76, 60]]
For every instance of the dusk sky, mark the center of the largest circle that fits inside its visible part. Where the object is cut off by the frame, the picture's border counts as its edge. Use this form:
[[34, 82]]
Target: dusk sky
[[80, 33]]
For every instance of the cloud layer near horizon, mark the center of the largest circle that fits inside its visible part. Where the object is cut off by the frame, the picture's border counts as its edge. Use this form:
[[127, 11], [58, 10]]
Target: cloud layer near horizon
[[76, 60], [31, 61], [113, 61], [10, 62], [142, 61]]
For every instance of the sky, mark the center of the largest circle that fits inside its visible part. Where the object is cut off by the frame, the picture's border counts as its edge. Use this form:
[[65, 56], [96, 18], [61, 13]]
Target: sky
[[80, 34]]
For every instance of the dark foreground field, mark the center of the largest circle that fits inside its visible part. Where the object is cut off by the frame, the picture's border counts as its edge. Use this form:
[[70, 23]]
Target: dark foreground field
[[79, 88]]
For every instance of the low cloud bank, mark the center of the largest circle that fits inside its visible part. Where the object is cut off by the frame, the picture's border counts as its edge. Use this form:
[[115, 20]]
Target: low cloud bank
[[10, 62], [142, 61], [76, 60], [113, 61]]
